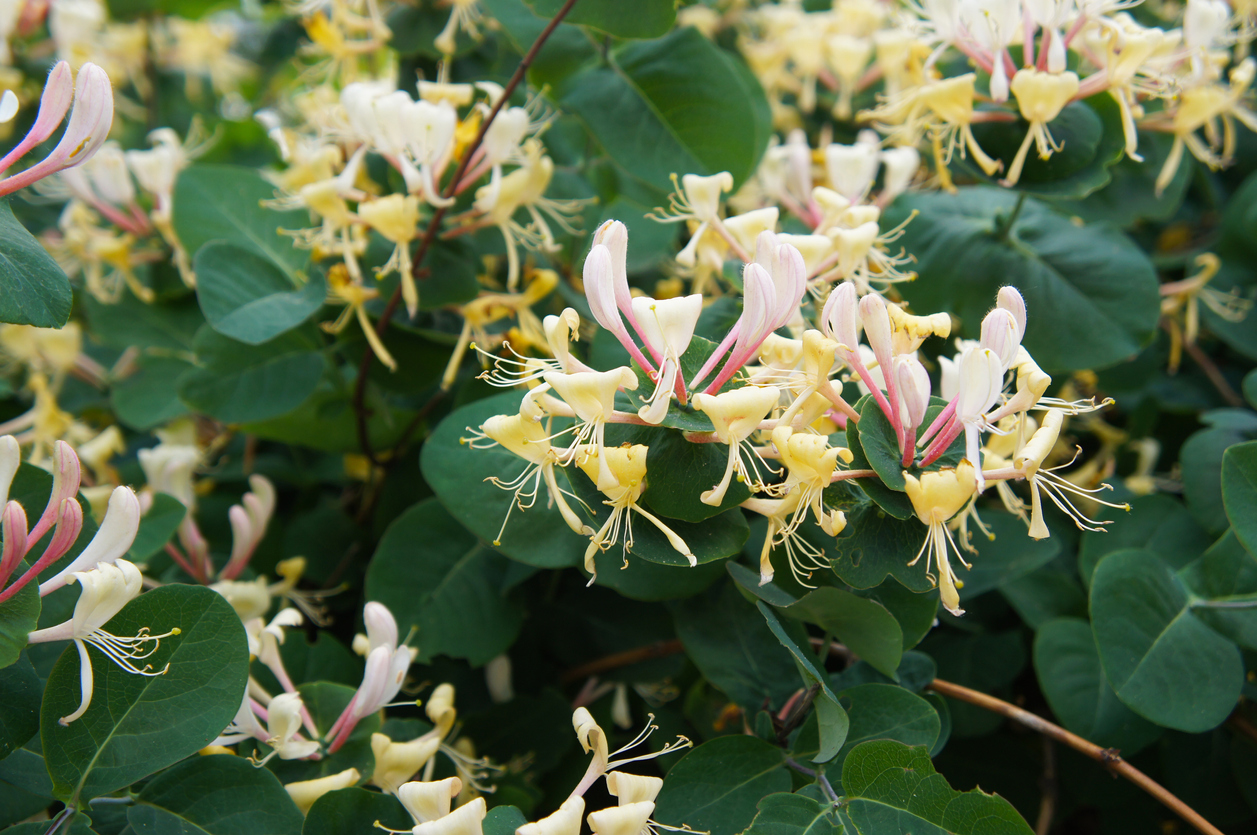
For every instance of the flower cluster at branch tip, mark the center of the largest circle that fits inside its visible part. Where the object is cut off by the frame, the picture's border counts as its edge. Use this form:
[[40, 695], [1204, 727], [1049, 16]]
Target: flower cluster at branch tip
[[772, 390], [1033, 58]]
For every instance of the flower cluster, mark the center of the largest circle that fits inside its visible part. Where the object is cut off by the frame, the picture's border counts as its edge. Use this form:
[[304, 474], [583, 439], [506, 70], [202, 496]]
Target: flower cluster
[[1033, 59], [773, 391]]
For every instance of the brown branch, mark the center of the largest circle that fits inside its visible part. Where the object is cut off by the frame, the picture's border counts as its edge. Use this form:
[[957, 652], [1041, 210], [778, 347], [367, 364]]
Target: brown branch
[[381, 325], [658, 649], [1211, 370], [1048, 785], [1110, 758]]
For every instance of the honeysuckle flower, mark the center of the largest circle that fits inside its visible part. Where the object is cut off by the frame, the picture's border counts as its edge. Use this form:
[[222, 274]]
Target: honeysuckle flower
[[244, 726], [629, 819], [900, 166], [525, 188], [1043, 480], [385, 671], [1180, 305], [527, 439], [169, 466], [606, 287], [566, 820], [396, 217], [283, 725], [937, 497], [106, 589], [112, 540], [593, 740], [249, 521], [429, 801], [591, 395], [1040, 96], [735, 416], [666, 326], [397, 762], [467, 819], [265, 640], [696, 199], [627, 465], [851, 169], [951, 102], [464, 15], [305, 792], [90, 119]]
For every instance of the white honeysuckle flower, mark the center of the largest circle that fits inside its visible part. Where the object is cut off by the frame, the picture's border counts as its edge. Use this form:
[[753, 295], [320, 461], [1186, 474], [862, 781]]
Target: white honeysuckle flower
[[633, 788], [666, 326], [106, 589], [431, 800], [467, 819], [629, 819], [397, 762], [283, 726], [735, 416], [305, 792], [250, 598], [937, 497], [112, 540], [851, 169], [566, 820], [981, 379]]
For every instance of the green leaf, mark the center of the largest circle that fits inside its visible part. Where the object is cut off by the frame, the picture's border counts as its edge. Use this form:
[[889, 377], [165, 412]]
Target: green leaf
[[169, 325], [793, 814], [1068, 666], [434, 575], [238, 383], [349, 811], [36, 291], [891, 787], [457, 474], [219, 795], [1226, 574], [1250, 388], [885, 711], [136, 724], [915, 612], [223, 202], [642, 19], [676, 105], [1239, 492], [19, 615], [1045, 594], [830, 717], [149, 397], [716, 787], [567, 50], [1131, 194], [19, 709], [1091, 293], [680, 472], [874, 545], [1163, 662], [503, 820], [1157, 522], [1090, 135], [865, 626], [326, 421], [1201, 459], [156, 527], [246, 296], [734, 649]]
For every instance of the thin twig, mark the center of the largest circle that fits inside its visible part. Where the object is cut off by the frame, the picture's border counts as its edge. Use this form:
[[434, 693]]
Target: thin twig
[[622, 659], [381, 325], [819, 774], [1110, 758], [1214, 374], [1048, 785]]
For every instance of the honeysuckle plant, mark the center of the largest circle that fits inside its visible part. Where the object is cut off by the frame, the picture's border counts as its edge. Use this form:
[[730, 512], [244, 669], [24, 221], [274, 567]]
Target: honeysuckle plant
[[546, 416]]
